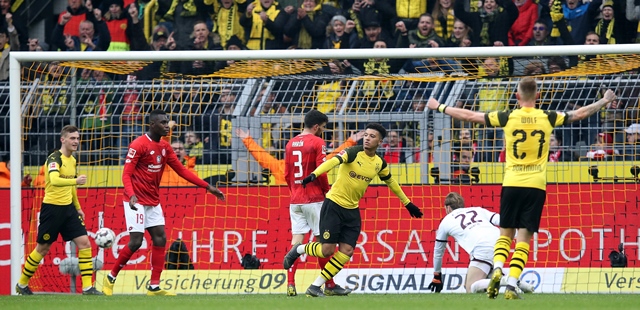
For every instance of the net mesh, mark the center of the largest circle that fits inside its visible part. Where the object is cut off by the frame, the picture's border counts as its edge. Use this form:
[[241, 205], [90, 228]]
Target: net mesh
[[231, 128]]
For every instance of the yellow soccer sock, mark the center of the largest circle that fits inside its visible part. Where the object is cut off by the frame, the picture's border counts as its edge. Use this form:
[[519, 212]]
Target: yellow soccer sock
[[30, 266], [518, 260], [335, 264], [501, 251], [86, 267], [314, 249]]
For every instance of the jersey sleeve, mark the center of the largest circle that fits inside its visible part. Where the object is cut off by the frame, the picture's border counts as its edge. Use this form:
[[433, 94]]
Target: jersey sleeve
[[384, 173], [53, 163], [556, 118], [440, 246], [497, 118], [134, 153]]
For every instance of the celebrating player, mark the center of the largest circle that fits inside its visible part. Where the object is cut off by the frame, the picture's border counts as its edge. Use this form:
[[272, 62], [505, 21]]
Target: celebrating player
[[143, 169], [473, 228], [61, 214], [340, 221], [527, 131], [303, 154]]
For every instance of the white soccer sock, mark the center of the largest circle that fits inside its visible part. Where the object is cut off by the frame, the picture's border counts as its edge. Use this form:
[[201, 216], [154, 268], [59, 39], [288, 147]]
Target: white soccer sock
[[319, 281], [480, 286], [512, 281], [498, 265], [300, 249]]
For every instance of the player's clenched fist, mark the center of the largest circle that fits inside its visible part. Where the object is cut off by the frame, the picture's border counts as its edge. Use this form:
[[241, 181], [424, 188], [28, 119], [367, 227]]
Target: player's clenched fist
[[436, 284], [413, 210], [81, 180], [308, 179]]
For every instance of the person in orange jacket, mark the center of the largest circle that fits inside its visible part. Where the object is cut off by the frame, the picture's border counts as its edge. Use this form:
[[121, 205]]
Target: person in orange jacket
[[5, 174], [169, 176], [268, 161]]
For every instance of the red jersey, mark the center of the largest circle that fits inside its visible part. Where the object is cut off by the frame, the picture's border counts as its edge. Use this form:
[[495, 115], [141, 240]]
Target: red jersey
[[143, 169], [303, 154]]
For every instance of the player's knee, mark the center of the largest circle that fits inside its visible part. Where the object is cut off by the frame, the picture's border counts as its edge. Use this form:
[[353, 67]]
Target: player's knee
[[82, 242], [159, 240], [135, 243], [43, 248], [346, 249]]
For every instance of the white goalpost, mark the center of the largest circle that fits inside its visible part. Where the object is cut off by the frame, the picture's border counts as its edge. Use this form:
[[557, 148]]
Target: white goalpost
[[17, 58]]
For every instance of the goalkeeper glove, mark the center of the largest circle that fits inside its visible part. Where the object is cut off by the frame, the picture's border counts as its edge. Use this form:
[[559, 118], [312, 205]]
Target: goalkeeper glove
[[413, 210], [308, 180], [436, 284]]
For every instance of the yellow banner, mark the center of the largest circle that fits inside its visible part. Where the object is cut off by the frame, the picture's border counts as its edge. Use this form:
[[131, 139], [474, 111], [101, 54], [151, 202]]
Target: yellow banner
[[601, 280], [268, 281]]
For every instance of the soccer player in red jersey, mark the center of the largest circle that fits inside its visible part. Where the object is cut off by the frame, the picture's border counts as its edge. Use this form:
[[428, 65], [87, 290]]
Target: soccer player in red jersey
[[146, 159], [303, 154]]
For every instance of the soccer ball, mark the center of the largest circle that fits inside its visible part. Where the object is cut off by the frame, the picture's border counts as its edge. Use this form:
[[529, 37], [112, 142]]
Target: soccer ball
[[105, 237]]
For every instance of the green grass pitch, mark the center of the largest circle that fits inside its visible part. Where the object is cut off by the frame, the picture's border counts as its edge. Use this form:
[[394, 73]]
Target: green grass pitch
[[301, 302]]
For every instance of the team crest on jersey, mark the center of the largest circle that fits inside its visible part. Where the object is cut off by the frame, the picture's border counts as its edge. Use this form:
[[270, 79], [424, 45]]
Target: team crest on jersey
[[326, 235], [159, 159], [131, 153]]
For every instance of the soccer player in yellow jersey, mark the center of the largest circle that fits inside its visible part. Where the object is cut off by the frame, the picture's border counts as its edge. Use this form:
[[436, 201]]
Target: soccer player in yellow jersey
[[340, 221], [527, 131], [61, 214]]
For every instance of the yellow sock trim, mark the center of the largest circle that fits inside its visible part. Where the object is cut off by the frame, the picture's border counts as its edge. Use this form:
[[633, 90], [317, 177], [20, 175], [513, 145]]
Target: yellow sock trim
[[30, 266], [86, 267], [501, 250], [519, 260], [335, 264], [314, 249]]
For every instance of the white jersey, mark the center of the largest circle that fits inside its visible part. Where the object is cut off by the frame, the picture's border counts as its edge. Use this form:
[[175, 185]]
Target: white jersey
[[471, 227]]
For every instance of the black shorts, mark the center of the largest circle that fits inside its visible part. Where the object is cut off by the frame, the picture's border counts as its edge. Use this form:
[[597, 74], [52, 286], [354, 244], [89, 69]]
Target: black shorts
[[63, 220], [339, 225], [521, 207]]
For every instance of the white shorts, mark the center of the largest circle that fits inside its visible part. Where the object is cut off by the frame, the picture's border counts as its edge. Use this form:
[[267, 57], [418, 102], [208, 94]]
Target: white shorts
[[305, 218], [143, 218], [482, 258]]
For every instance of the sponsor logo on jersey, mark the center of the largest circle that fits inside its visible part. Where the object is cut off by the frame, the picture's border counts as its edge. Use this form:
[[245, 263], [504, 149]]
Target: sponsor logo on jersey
[[356, 176], [324, 149], [297, 144], [127, 161], [131, 153], [152, 152]]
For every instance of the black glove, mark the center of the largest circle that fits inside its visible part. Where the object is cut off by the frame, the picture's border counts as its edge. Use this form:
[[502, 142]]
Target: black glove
[[413, 210], [436, 284], [308, 180]]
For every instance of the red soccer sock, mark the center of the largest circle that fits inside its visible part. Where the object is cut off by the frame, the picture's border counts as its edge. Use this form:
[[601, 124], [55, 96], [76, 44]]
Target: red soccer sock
[[157, 264], [123, 257], [291, 273], [322, 262]]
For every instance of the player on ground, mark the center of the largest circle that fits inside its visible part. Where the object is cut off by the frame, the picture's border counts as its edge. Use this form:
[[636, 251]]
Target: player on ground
[[475, 231], [143, 167], [303, 154], [527, 131], [61, 214], [340, 220]]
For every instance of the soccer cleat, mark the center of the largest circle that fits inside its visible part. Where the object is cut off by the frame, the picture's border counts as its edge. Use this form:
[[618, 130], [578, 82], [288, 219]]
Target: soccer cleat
[[494, 285], [107, 285], [510, 293], [23, 290], [291, 290], [92, 291], [314, 291], [526, 287], [336, 291], [291, 257], [158, 292]]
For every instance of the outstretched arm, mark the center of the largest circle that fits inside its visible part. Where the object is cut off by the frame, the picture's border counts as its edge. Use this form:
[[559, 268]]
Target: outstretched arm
[[457, 113], [588, 110]]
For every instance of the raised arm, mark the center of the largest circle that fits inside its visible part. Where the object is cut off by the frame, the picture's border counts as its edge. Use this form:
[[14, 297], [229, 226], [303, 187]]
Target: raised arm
[[588, 110], [457, 113]]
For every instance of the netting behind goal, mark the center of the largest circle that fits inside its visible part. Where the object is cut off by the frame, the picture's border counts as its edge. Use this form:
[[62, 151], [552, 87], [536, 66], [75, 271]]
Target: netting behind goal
[[231, 128]]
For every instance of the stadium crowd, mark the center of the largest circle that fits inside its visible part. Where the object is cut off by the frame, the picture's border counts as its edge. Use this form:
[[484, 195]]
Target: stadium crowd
[[119, 25]]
